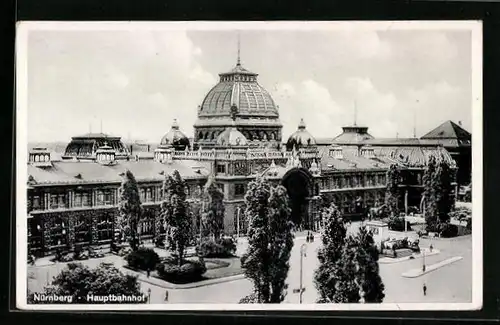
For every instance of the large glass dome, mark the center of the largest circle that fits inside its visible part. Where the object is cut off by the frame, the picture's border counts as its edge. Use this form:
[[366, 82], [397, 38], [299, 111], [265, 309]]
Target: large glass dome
[[240, 87], [257, 118]]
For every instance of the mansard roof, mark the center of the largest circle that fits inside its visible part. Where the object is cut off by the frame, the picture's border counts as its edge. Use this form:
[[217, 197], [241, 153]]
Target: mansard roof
[[78, 172]]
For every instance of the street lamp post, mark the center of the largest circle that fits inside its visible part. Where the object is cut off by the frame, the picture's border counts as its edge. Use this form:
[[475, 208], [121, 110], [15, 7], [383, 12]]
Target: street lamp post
[[302, 254], [423, 261]]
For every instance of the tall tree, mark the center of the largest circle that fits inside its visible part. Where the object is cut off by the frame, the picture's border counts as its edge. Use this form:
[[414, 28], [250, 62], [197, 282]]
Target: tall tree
[[430, 207], [444, 191], [346, 274], [369, 278], [214, 214], [392, 190], [333, 238], [129, 209], [270, 240], [175, 214], [281, 227]]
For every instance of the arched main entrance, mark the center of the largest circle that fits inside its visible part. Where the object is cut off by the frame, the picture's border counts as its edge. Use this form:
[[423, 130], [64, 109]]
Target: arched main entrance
[[299, 185]]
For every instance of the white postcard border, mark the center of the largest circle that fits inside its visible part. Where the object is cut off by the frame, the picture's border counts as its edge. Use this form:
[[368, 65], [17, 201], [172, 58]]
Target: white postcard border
[[23, 29]]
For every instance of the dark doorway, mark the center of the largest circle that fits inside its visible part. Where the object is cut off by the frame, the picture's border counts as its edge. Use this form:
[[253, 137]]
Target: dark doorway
[[297, 181]]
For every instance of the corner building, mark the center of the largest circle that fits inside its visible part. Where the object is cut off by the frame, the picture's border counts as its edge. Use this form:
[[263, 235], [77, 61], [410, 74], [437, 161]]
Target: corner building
[[73, 201]]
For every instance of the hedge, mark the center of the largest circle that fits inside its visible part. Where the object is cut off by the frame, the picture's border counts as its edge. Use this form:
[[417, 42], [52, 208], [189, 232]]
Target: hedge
[[398, 224], [190, 271], [225, 247], [449, 230], [143, 259]]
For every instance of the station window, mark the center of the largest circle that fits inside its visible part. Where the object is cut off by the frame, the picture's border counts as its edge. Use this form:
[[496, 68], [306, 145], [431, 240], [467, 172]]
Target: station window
[[239, 189], [221, 169]]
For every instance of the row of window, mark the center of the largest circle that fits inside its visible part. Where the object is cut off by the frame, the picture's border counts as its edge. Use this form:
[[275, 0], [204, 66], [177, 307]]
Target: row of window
[[81, 199], [82, 232], [238, 78], [353, 181]]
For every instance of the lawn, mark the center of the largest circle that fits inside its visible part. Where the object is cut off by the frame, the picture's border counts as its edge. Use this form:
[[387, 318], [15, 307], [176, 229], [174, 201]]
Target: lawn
[[225, 267], [216, 268]]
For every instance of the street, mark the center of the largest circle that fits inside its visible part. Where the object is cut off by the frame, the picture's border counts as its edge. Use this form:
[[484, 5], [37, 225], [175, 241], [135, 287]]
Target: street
[[451, 283]]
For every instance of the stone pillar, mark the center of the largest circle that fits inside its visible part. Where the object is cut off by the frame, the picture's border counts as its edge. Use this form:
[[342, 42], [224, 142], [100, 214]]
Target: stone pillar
[[46, 199], [229, 217]]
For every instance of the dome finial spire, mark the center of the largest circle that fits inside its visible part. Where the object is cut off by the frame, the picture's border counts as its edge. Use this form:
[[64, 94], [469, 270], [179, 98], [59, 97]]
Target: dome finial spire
[[238, 62], [302, 124]]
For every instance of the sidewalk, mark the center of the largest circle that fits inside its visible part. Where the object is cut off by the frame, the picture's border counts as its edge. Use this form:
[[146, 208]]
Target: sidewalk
[[167, 285], [419, 272]]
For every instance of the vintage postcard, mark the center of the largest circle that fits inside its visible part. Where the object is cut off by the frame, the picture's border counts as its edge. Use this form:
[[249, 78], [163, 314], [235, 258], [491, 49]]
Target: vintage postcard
[[249, 165]]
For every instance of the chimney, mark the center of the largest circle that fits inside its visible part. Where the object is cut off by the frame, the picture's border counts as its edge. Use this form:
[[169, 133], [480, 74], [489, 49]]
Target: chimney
[[460, 123]]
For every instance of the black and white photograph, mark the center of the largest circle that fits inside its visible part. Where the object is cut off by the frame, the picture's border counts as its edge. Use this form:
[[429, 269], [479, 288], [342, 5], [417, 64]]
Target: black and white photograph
[[249, 165]]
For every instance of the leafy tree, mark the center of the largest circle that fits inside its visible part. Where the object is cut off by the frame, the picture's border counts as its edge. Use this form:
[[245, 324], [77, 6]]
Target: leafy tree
[[270, 240], [129, 209], [444, 191], [346, 272], [280, 226], [77, 280], [214, 214], [429, 193], [368, 276], [333, 238], [392, 190], [438, 194], [174, 210]]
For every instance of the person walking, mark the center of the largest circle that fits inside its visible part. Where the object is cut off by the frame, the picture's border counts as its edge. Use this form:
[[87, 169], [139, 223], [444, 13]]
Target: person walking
[[425, 289], [148, 272], [166, 295]]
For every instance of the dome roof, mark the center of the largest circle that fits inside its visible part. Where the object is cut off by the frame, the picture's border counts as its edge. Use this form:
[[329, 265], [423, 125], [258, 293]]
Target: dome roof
[[300, 138], [231, 137], [353, 135], [85, 146], [175, 138], [239, 87]]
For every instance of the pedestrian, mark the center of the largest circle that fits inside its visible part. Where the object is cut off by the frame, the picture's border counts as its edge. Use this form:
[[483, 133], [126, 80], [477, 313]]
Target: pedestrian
[[148, 272], [425, 289], [166, 295], [430, 248]]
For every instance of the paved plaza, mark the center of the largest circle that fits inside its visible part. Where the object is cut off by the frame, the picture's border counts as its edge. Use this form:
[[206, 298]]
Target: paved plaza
[[451, 283]]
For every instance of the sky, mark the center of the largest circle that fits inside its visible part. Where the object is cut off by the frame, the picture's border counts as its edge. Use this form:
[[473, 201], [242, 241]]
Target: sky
[[135, 82]]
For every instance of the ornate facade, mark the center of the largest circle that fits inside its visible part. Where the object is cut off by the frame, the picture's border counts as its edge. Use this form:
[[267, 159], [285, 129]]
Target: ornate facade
[[238, 137]]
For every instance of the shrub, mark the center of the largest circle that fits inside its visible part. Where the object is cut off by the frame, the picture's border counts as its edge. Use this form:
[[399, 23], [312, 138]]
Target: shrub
[[448, 230], [159, 242], [398, 224], [226, 247], [189, 271], [143, 259], [250, 299]]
